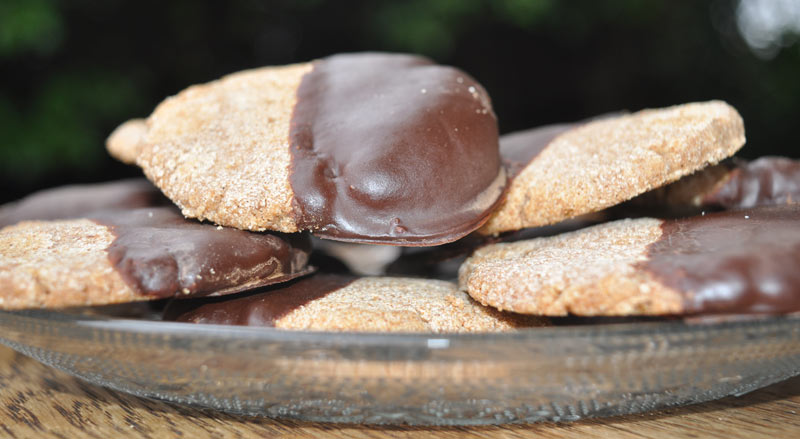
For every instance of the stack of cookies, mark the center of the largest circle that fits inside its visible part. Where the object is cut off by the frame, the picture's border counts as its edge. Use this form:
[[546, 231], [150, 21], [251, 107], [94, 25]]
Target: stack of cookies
[[328, 195]]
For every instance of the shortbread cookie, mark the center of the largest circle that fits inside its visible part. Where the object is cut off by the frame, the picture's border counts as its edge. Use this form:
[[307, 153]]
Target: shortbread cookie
[[124, 143], [115, 256], [731, 184], [737, 261], [76, 201], [567, 170], [342, 303], [443, 261], [361, 147]]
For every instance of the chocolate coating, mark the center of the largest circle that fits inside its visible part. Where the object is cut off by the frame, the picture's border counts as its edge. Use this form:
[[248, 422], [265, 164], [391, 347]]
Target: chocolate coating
[[259, 309], [160, 253], [739, 261], [76, 201], [393, 149], [765, 181], [730, 184]]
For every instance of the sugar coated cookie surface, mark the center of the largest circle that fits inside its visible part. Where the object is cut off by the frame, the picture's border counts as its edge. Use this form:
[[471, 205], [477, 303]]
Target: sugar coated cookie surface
[[361, 147], [341, 303], [738, 261], [47, 264], [125, 141], [221, 150], [567, 170]]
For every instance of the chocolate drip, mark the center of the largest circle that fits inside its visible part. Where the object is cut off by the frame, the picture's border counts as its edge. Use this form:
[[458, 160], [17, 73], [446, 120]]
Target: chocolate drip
[[393, 149], [77, 200], [740, 261], [519, 148], [766, 181], [160, 253], [259, 309]]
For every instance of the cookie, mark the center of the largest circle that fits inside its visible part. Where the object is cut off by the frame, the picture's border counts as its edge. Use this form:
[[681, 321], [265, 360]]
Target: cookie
[[124, 255], [75, 201], [737, 262], [368, 148], [124, 142], [444, 261], [344, 303], [563, 171], [731, 185]]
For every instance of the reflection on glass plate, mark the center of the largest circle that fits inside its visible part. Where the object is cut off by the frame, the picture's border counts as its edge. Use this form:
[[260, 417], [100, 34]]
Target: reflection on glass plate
[[558, 374]]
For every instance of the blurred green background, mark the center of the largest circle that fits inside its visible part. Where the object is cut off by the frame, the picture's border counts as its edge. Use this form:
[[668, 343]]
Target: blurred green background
[[73, 70]]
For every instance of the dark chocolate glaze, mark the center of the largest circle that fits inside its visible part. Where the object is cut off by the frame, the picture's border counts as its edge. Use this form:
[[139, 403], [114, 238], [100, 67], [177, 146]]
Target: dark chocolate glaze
[[159, 253], [737, 261], [77, 200], [519, 148], [393, 149], [765, 181], [262, 308]]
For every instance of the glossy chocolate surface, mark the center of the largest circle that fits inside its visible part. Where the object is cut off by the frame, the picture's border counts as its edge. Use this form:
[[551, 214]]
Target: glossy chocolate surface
[[77, 200], [393, 149], [160, 253], [765, 181], [262, 308], [738, 261]]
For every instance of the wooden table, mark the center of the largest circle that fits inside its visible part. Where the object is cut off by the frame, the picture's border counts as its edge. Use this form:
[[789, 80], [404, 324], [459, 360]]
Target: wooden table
[[37, 401]]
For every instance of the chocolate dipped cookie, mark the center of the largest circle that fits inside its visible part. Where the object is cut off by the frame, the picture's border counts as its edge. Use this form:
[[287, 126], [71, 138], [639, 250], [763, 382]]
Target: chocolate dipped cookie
[[368, 147], [326, 302], [118, 251], [732, 262]]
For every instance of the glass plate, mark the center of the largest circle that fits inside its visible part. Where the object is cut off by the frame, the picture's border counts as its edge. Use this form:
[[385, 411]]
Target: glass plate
[[555, 374]]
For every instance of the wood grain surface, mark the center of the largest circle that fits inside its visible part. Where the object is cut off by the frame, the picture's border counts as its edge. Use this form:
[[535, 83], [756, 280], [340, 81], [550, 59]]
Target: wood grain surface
[[37, 401]]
